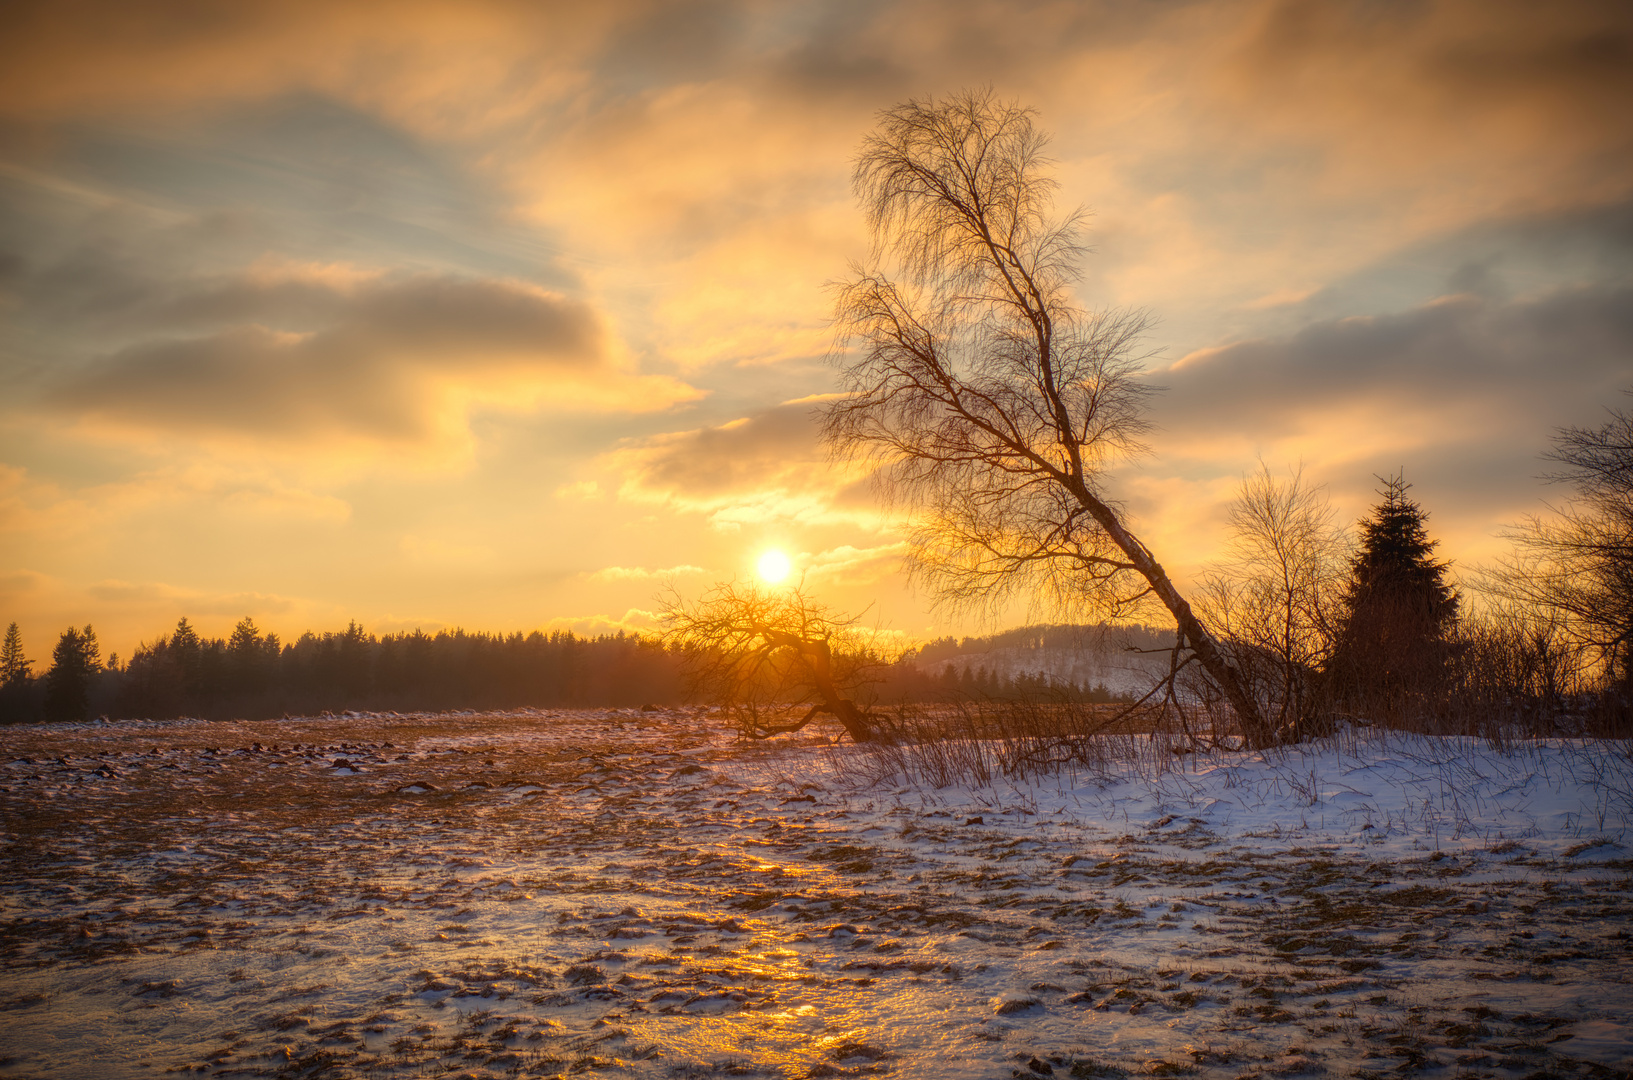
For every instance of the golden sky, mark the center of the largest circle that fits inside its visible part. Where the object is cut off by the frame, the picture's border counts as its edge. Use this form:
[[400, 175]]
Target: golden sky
[[500, 315]]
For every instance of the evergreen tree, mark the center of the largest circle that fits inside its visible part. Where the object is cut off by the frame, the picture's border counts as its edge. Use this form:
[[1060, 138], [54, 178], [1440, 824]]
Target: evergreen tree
[[19, 694], [1398, 610], [246, 638], [251, 658], [74, 663], [13, 665], [186, 650]]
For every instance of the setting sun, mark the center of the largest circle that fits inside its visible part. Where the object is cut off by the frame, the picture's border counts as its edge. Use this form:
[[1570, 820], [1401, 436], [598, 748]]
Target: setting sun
[[774, 566]]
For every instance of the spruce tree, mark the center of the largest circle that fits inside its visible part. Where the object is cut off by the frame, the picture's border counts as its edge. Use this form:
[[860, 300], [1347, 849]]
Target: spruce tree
[[187, 660], [74, 663], [250, 658], [13, 664], [1398, 610]]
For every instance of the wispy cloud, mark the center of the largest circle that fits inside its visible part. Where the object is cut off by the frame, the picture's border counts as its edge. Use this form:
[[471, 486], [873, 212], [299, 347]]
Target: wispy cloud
[[632, 621], [765, 468], [1550, 355], [641, 573], [852, 566]]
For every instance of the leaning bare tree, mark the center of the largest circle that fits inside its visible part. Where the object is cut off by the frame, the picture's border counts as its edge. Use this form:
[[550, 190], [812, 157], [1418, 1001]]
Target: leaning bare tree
[[774, 659], [987, 400]]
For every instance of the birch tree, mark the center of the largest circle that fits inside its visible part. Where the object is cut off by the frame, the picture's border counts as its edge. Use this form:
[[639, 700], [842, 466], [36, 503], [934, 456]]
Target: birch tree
[[987, 400]]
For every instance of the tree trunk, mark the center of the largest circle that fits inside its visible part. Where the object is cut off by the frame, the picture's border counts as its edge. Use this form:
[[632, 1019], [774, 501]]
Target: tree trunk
[[819, 661], [840, 707], [1224, 674]]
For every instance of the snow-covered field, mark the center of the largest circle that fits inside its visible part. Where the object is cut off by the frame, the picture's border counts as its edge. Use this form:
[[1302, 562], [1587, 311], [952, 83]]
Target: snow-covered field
[[622, 894]]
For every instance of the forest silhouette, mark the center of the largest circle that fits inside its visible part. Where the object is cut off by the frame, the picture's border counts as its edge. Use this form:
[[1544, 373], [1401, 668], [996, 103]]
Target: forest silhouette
[[253, 675]]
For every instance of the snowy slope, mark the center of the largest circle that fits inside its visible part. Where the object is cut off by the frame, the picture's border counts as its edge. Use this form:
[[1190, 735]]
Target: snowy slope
[[1082, 656]]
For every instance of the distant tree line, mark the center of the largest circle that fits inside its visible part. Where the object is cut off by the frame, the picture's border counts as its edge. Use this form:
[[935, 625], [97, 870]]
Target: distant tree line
[[253, 675], [1055, 637], [1314, 625], [68, 688], [907, 681]]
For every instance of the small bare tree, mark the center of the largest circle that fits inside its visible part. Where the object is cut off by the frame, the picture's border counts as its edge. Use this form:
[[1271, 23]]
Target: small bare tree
[[1577, 565], [1276, 600], [773, 659], [985, 398]]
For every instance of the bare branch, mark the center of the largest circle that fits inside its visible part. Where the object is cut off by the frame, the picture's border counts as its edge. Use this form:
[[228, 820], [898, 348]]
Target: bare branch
[[986, 401], [1576, 565]]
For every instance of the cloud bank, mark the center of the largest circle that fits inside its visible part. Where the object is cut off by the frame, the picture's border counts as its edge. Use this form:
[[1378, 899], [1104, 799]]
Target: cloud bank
[[396, 360], [1467, 369]]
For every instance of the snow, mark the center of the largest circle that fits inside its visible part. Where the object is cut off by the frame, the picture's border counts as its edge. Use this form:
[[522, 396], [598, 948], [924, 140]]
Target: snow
[[549, 893]]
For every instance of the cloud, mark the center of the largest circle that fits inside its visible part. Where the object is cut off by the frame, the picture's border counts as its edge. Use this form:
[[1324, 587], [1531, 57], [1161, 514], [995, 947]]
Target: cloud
[[633, 621], [396, 360], [640, 573], [773, 449], [693, 166], [767, 470], [15, 584], [1466, 366], [1462, 394], [763, 469], [853, 566], [147, 595], [66, 58], [1506, 77]]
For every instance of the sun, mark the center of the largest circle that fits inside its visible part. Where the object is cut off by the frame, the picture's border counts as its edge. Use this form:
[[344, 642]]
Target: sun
[[774, 567]]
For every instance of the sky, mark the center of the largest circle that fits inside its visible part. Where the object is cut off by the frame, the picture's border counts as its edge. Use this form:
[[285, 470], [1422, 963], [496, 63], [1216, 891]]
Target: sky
[[512, 315]]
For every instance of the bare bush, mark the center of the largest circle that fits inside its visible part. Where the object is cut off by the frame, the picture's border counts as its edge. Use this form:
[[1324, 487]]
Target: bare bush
[[1276, 599], [774, 659], [1513, 674], [1575, 567], [980, 741]]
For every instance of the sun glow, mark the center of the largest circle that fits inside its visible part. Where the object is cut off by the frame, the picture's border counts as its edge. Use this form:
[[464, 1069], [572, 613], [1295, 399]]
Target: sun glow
[[774, 567]]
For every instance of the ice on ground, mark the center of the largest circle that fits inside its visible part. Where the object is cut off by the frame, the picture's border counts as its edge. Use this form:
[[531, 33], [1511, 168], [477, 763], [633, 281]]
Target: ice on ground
[[551, 893]]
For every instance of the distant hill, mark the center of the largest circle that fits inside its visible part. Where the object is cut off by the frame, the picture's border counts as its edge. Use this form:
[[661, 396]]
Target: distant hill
[[1121, 657]]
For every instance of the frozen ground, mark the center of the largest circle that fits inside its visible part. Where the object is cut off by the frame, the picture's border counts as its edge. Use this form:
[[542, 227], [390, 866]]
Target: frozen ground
[[625, 895]]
